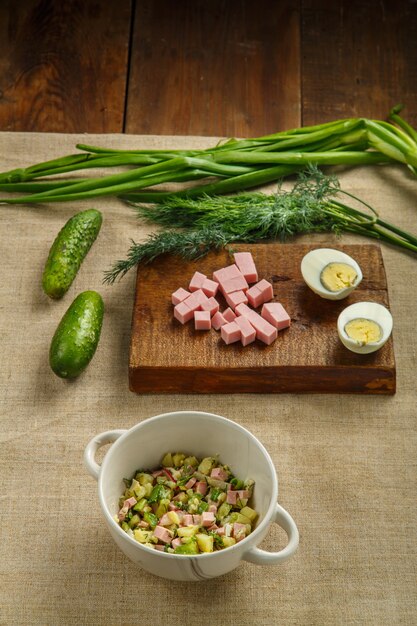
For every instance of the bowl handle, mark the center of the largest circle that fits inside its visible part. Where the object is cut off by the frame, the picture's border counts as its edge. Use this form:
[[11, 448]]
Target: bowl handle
[[262, 557], [91, 448]]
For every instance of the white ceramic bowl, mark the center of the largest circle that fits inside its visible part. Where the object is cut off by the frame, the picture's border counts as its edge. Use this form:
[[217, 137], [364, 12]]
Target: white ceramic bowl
[[200, 434]]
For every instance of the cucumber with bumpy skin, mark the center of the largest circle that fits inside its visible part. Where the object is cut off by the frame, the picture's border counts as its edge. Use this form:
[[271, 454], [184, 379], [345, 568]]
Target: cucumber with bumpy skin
[[76, 338], [69, 250]]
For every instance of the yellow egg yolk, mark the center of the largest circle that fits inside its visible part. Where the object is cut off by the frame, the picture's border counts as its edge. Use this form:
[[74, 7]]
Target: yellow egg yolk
[[363, 331], [338, 276]]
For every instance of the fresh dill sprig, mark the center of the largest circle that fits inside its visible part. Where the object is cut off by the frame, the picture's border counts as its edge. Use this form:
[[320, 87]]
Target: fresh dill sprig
[[212, 222]]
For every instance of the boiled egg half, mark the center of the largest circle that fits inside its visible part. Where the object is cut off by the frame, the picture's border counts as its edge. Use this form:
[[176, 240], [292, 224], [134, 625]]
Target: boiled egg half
[[364, 327], [331, 274]]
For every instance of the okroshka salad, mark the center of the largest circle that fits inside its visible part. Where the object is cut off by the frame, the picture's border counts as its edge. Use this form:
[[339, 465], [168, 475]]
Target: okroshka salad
[[187, 506]]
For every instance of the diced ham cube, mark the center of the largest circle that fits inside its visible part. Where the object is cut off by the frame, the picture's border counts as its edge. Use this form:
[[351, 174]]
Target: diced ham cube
[[237, 283], [163, 534], [172, 506], [243, 494], [130, 502], [248, 333], [207, 518], [212, 306], [235, 298], [219, 473], [179, 295], [197, 281], [275, 314], [190, 483], [218, 320], [159, 548], [122, 513], [210, 287], [229, 315], [182, 313], [193, 302], [201, 487], [264, 330], [213, 527], [201, 296], [143, 524], [231, 497], [165, 520], [196, 520], [246, 265], [239, 531], [230, 332], [176, 542], [187, 520], [224, 273], [254, 296], [220, 530], [202, 320]]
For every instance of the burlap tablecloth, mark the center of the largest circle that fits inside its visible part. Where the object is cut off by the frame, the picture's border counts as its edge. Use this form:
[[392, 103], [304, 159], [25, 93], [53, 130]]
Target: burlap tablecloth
[[346, 464]]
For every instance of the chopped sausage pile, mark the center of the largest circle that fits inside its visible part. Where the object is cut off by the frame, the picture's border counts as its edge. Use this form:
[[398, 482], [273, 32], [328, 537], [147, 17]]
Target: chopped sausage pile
[[239, 321]]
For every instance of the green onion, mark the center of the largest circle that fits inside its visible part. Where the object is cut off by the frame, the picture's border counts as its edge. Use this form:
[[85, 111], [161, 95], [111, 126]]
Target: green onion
[[231, 166]]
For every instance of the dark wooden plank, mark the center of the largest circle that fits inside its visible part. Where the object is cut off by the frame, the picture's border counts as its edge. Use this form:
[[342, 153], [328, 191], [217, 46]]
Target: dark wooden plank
[[63, 65], [214, 68], [359, 58], [308, 357]]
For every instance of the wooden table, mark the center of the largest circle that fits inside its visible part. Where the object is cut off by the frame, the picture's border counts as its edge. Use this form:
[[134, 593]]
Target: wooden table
[[232, 68]]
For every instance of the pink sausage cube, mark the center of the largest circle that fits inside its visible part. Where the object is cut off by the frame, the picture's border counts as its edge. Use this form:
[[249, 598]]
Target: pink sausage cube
[[235, 298], [182, 313], [224, 273], [275, 314], [210, 287], [218, 320], [229, 315], [202, 320], [187, 520], [245, 263], [230, 332], [200, 296], [176, 542], [207, 518], [190, 483], [201, 487], [266, 289], [165, 520], [163, 534], [219, 473], [237, 283], [220, 531], [179, 295], [193, 302], [254, 296], [243, 494], [197, 520], [265, 332], [212, 306], [248, 333], [231, 497], [159, 548], [197, 281], [239, 531]]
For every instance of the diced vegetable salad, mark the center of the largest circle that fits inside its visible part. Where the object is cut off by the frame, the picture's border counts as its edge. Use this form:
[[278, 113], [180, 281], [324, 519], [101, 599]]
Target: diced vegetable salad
[[187, 506]]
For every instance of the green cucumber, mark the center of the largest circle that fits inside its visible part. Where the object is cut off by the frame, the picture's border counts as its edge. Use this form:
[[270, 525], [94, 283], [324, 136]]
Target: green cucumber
[[69, 250], [76, 338]]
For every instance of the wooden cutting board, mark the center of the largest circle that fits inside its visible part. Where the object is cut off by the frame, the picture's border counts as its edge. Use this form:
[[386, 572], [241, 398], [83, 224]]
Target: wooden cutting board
[[166, 357]]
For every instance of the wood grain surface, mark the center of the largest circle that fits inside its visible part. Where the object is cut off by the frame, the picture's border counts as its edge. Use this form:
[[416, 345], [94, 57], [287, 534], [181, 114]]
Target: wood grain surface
[[192, 67], [63, 65], [307, 357]]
